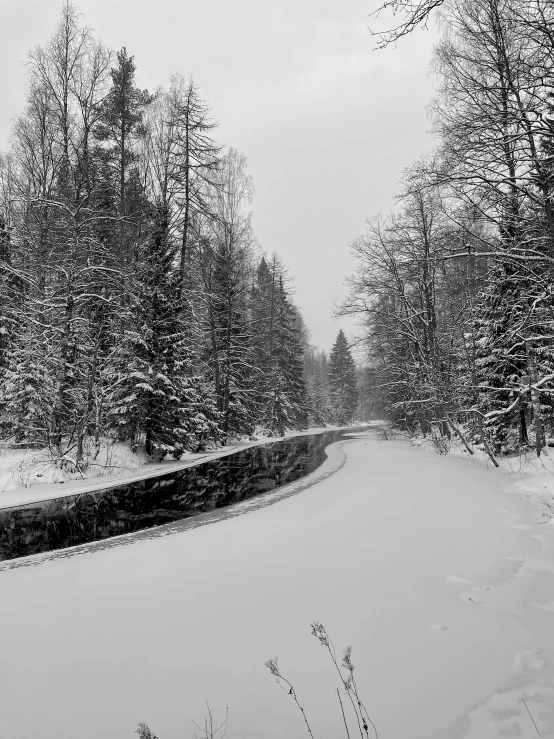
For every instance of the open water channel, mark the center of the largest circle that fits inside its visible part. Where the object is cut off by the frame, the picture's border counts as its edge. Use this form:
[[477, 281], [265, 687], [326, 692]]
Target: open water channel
[[142, 504]]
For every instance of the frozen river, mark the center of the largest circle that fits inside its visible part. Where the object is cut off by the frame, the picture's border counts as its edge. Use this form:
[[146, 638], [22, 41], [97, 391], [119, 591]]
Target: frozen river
[[427, 565]]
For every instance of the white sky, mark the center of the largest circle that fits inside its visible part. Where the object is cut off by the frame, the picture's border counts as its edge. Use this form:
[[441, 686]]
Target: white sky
[[327, 124]]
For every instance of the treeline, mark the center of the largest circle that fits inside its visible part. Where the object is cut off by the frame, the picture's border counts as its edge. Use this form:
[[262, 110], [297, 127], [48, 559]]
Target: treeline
[[455, 288], [135, 302]]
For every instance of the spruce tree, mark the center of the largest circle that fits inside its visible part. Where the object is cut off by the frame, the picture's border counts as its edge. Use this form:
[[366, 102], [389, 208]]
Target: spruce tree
[[8, 292], [317, 383], [290, 360], [512, 337], [224, 253], [120, 125], [28, 390], [342, 381], [320, 411], [276, 331], [156, 401]]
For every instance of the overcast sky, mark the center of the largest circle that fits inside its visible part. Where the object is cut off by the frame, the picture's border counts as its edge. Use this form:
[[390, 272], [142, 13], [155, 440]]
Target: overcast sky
[[326, 122]]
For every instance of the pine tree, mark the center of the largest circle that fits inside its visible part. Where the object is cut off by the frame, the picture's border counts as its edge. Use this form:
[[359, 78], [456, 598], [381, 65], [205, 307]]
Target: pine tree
[[290, 359], [224, 256], [279, 352], [317, 383], [8, 291], [156, 400], [342, 381], [320, 410], [120, 125], [29, 391], [278, 412], [263, 311], [198, 160], [512, 336]]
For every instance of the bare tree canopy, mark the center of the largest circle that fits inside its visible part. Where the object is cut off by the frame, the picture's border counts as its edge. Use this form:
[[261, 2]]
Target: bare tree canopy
[[408, 15]]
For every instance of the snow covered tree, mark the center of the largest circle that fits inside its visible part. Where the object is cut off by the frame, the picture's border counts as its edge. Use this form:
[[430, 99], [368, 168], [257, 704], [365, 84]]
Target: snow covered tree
[[155, 398], [279, 350], [224, 255], [7, 294], [198, 156], [28, 391], [342, 381], [128, 264], [119, 127], [289, 358], [317, 383], [514, 350]]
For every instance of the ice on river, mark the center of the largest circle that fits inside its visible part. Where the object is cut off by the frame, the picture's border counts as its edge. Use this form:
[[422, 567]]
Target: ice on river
[[412, 558]]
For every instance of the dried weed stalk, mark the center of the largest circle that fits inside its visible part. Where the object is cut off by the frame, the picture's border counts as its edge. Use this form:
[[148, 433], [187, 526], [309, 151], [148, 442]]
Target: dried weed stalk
[[348, 682]]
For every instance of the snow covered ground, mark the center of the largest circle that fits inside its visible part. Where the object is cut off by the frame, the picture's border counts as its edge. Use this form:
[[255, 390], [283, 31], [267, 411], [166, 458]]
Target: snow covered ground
[[436, 569], [533, 477]]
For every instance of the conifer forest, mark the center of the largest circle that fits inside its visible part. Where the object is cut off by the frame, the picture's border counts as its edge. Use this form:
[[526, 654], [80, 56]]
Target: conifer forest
[[135, 301]]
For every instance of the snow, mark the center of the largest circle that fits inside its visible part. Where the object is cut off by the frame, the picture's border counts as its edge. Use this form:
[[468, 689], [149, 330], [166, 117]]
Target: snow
[[417, 560], [533, 476], [25, 468]]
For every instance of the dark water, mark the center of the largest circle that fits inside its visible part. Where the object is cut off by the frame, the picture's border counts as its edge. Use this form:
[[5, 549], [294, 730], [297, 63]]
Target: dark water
[[87, 517]]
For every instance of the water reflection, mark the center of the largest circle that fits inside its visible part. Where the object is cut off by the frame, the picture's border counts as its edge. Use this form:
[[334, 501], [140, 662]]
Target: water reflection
[[143, 504]]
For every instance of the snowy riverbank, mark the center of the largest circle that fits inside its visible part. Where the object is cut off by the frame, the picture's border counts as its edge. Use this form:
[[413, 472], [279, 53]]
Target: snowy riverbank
[[436, 570], [22, 466], [533, 477]]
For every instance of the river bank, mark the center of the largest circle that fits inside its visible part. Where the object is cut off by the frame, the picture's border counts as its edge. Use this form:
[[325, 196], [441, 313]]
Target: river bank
[[132, 468], [438, 571]]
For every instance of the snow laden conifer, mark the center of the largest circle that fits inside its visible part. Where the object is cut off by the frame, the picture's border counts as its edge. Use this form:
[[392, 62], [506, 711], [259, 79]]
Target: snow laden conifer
[[514, 351], [7, 293], [320, 410], [342, 381], [225, 244], [156, 402], [119, 128], [290, 359], [500, 358], [317, 382], [130, 305], [28, 391], [277, 339]]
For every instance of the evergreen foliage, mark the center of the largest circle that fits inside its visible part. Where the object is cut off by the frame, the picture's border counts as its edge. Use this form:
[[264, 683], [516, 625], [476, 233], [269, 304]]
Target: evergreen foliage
[[342, 381], [280, 352]]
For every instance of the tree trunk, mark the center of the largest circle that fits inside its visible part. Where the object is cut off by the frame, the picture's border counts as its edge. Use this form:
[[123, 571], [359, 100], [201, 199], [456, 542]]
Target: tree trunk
[[535, 399]]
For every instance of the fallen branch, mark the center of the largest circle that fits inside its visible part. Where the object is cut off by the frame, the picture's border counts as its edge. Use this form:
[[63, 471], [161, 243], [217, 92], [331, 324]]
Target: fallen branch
[[459, 434]]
